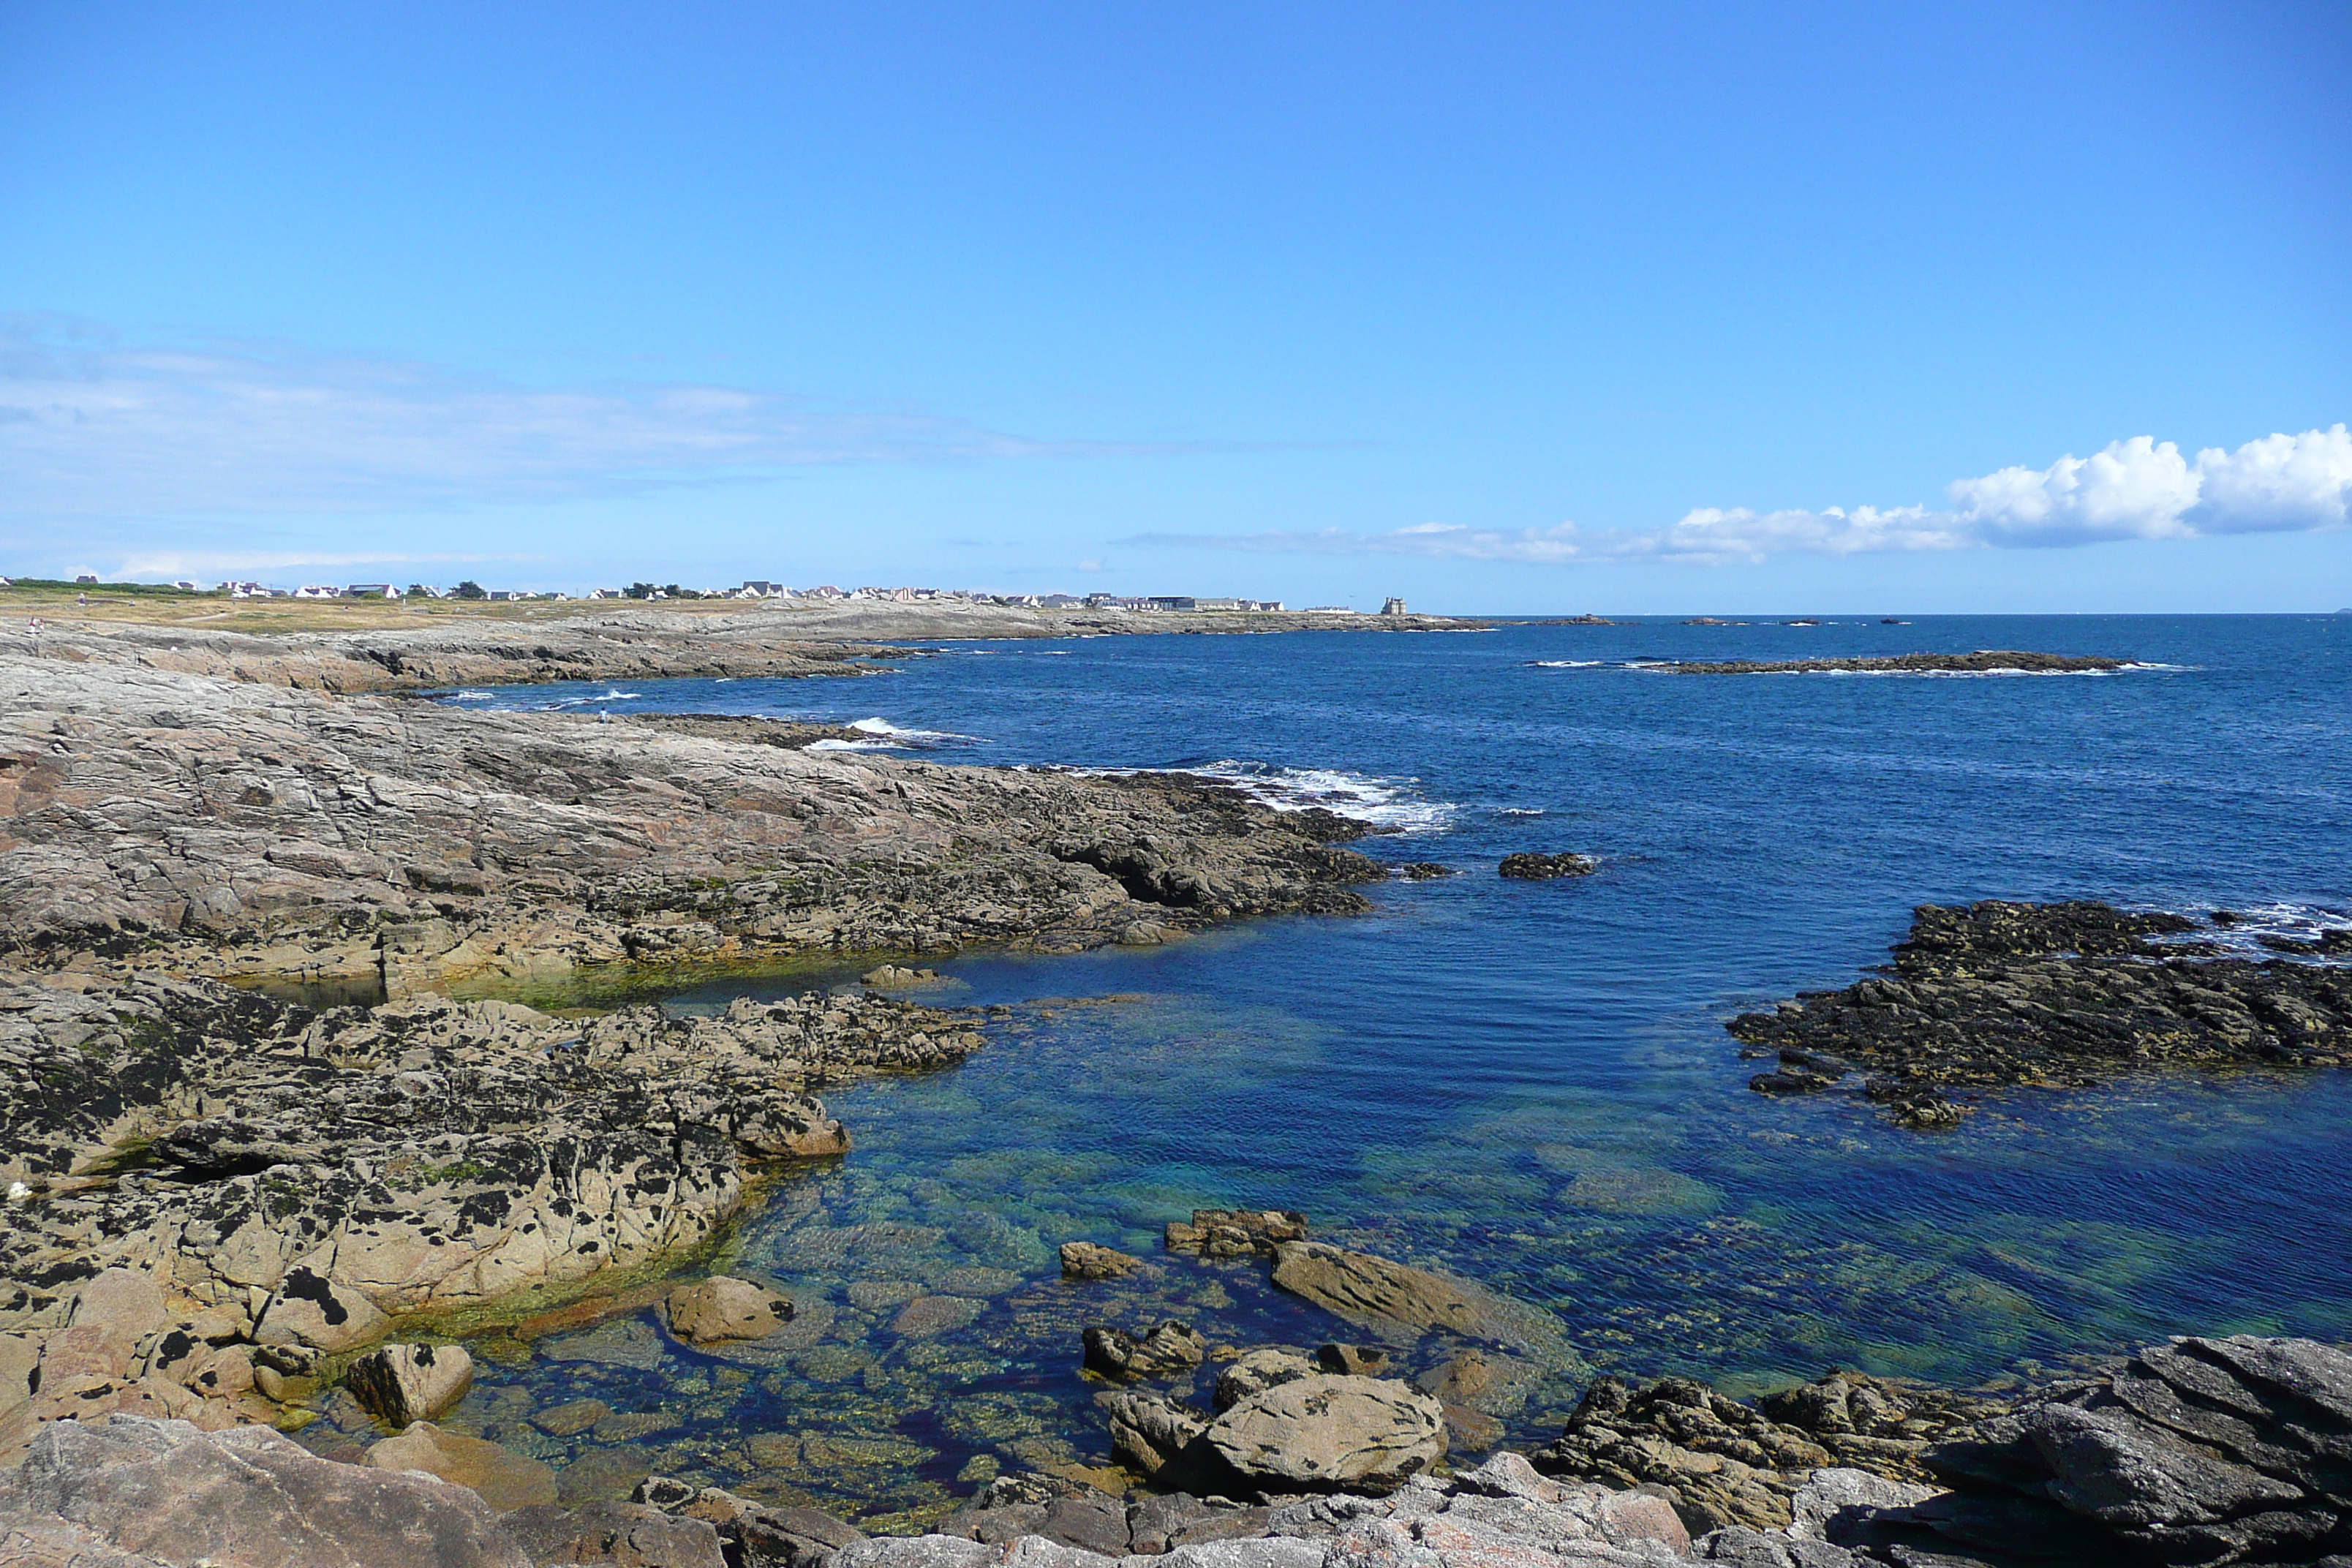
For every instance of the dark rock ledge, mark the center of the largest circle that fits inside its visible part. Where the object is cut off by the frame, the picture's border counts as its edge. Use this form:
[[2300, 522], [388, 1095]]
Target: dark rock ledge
[[1984, 661], [2060, 995]]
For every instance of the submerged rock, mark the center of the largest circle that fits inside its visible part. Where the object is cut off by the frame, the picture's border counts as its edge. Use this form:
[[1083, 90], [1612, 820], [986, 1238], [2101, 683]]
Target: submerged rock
[[1168, 1350], [505, 1478], [1088, 1260], [1235, 1233], [724, 1308]]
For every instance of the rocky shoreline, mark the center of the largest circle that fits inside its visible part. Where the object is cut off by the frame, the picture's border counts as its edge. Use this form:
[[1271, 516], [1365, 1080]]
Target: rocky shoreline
[[2062, 995], [368, 847], [1987, 661], [213, 1195], [2195, 1452]]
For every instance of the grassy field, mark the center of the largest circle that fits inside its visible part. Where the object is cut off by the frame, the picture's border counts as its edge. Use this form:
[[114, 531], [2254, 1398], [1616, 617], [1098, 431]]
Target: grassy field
[[150, 605]]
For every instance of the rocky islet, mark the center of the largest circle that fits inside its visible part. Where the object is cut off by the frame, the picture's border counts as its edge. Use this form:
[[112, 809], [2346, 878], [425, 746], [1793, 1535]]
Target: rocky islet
[[1997, 994]]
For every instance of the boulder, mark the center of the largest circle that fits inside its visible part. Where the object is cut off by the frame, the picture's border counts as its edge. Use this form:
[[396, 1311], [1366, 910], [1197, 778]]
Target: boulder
[[724, 1308], [505, 1478], [1168, 1350], [1327, 1432], [125, 1490], [401, 1383], [325, 1314], [1161, 1437], [1088, 1260]]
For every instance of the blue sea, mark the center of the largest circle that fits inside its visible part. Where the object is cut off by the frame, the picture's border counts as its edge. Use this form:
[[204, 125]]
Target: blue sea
[[1528, 1084]]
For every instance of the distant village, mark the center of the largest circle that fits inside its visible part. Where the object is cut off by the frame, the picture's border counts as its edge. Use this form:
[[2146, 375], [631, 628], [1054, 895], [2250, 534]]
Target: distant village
[[761, 590]]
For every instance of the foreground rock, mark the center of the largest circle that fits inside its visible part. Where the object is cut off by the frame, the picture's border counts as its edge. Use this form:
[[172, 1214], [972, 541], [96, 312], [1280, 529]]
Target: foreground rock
[[302, 1178], [127, 1493], [1722, 1463], [2202, 1451], [1501, 1513], [1986, 661], [754, 1534], [1282, 1430], [2048, 994]]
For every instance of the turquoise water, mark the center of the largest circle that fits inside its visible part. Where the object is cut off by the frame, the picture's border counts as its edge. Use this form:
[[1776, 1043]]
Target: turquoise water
[[1528, 1084]]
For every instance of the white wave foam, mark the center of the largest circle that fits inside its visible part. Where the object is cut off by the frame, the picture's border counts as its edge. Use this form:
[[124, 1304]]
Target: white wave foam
[[905, 736], [1360, 798], [1564, 663], [471, 697], [829, 745], [2241, 938], [612, 694], [1521, 811], [1384, 802]]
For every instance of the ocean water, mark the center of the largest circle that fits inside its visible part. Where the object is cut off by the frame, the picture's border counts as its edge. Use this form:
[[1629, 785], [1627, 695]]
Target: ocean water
[[1528, 1084]]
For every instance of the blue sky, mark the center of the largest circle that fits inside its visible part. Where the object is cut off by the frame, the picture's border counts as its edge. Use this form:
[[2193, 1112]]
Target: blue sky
[[1517, 309]]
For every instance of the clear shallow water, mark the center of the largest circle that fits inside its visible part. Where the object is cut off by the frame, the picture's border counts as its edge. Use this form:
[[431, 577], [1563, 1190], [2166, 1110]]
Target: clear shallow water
[[1528, 1084]]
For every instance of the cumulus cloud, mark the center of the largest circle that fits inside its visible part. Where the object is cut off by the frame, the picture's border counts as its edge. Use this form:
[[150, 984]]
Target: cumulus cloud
[[2136, 489], [92, 427]]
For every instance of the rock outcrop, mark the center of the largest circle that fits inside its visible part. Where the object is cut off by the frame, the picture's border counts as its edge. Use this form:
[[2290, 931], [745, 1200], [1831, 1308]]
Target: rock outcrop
[[369, 846], [1327, 1431], [1530, 867], [220, 1189], [2200, 1451], [1235, 1233], [1722, 1462], [1091, 1260], [2047, 994]]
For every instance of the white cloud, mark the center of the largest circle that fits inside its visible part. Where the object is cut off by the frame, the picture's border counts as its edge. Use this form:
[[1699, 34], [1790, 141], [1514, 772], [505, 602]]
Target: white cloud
[[89, 428], [2136, 489]]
